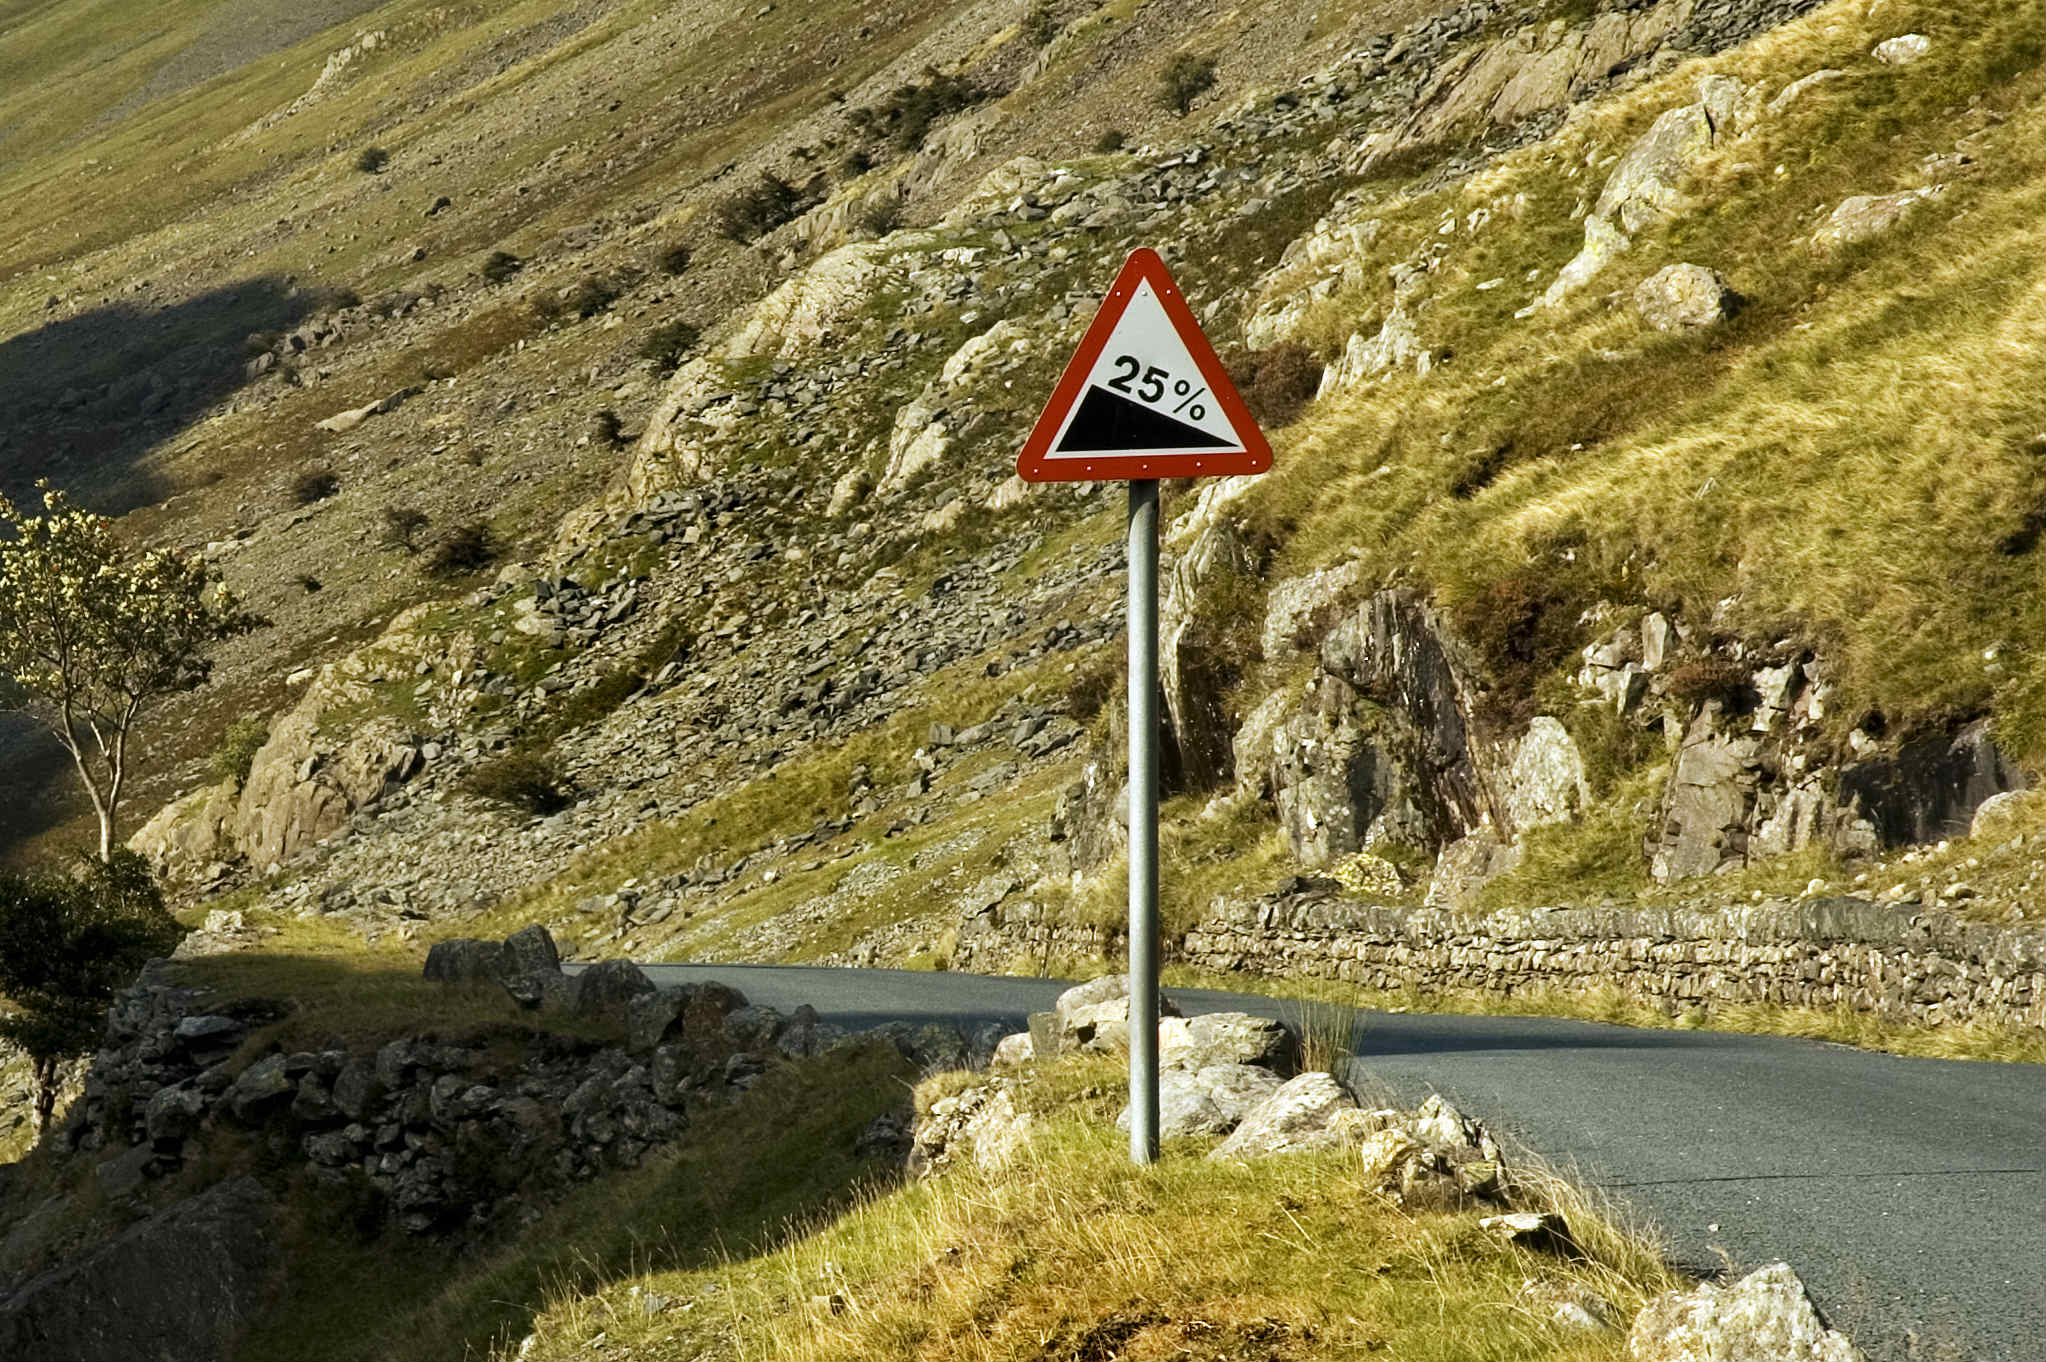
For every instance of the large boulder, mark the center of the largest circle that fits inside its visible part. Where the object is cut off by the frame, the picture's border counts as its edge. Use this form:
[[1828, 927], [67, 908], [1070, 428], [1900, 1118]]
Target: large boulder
[[1096, 1015], [185, 1283], [189, 834], [1228, 1039], [1764, 1314], [1209, 1101], [1308, 1112], [1685, 298]]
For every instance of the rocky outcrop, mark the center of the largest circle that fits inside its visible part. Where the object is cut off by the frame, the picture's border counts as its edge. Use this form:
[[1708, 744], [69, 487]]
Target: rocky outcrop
[[184, 1283], [1382, 747], [339, 749], [1649, 186], [192, 837], [1764, 1314]]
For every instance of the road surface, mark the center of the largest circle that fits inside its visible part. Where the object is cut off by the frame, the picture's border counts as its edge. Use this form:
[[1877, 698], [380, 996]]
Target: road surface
[[1910, 1194]]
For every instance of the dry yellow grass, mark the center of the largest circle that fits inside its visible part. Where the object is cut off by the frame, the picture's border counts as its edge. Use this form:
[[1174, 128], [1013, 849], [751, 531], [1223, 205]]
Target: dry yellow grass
[[1072, 1252]]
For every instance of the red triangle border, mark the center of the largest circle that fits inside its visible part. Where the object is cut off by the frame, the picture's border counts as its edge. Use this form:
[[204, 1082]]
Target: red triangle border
[[1143, 266]]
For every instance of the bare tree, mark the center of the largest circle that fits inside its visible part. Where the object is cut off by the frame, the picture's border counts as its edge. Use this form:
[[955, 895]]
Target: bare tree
[[92, 635]]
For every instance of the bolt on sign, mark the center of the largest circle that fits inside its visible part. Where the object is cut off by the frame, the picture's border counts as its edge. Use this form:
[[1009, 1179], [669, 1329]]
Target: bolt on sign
[[1143, 397]]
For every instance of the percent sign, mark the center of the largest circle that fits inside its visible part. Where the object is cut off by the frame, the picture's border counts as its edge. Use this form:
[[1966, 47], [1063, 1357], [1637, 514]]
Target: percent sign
[[1186, 392]]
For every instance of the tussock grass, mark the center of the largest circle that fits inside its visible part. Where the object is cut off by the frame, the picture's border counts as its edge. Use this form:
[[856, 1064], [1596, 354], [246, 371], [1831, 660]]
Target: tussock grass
[[1605, 1003], [1071, 1251]]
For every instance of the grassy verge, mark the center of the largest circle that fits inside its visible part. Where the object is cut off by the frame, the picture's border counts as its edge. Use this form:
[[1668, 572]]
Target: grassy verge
[[1960, 1040], [1072, 1252]]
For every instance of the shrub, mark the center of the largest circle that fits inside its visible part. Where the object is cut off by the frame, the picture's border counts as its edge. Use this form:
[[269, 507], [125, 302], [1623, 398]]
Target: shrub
[[314, 484], [372, 160], [402, 525], [1279, 381], [605, 428], [238, 747], [1185, 80], [469, 547], [1522, 626], [593, 295], [532, 781], [1040, 25], [857, 162], [753, 213], [501, 266], [67, 945], [1712, 677], [905, 117], [1112, 140], [1092, 685], [674, 260], [547, 305], [666, 344], [880, 215]]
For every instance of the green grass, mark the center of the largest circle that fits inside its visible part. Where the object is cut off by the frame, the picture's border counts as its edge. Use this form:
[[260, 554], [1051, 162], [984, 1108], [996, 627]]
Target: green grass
[[1850, 463]]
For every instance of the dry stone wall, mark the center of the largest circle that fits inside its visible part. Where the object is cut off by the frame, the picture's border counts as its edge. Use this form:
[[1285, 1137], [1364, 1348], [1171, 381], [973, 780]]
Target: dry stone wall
[[1898, 963]]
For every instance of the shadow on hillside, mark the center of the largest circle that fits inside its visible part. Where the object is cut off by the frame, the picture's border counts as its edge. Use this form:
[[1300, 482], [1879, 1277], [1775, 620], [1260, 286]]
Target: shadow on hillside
[[37, 789], [84, 398]]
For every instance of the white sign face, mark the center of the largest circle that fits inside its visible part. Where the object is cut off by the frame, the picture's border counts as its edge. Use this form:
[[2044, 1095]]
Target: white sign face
[[1145, 394]]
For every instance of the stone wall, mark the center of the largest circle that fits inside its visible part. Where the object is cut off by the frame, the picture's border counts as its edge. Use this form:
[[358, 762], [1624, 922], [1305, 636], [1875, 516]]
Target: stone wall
[[1898, 963]]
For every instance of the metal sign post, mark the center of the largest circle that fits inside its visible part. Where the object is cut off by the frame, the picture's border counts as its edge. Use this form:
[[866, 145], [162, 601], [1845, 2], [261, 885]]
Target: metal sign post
[[1143, 938], [1144, 397]]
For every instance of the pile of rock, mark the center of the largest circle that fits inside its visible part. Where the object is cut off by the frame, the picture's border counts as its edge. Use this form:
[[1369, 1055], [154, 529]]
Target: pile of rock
[[450, 1135]]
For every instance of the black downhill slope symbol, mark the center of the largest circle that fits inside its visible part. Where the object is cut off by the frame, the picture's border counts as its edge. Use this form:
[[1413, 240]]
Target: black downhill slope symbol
[[1107, 424]]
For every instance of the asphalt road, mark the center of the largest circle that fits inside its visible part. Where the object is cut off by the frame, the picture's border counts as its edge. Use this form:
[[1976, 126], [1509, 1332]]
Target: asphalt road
[[1910, 1194]]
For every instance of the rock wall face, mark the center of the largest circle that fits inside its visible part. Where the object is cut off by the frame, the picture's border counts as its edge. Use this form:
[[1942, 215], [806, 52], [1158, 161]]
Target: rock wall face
[[1823, 953], [185, 1283]]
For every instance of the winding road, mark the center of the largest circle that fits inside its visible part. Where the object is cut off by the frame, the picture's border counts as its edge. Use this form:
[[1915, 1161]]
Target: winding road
[[1910, 1194]]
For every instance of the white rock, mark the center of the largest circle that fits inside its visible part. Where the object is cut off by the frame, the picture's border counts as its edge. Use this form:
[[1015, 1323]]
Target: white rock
[[1903, 49]]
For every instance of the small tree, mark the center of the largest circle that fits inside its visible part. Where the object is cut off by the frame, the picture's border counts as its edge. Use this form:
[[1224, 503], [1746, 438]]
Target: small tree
[[1185, 80], [66, 946], [92, 636], [402, 525], [372, 160]]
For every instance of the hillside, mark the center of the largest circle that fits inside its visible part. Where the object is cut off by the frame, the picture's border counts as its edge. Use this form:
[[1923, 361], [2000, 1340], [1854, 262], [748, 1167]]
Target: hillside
[[612, 406], [1661, 528]]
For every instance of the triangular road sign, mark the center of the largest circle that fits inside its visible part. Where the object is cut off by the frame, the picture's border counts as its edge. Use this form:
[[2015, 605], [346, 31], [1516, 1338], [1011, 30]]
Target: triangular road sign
[[1144, 395]]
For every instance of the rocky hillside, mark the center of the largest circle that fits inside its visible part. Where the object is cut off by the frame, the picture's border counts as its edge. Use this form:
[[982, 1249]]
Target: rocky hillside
[[1663, 522]]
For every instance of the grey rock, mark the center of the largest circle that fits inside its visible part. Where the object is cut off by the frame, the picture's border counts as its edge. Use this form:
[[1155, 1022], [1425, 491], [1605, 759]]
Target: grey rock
[[465, 960], [1684, 298], [1902, 50], [123, 1175], [261, 1086], [185, 1283], [530, 950], [650, 1018], [1865, 216], [1229, 1039], [1764, 1314], [203, 1033], [1301, 1115], [172, 1114], [608, 988]]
